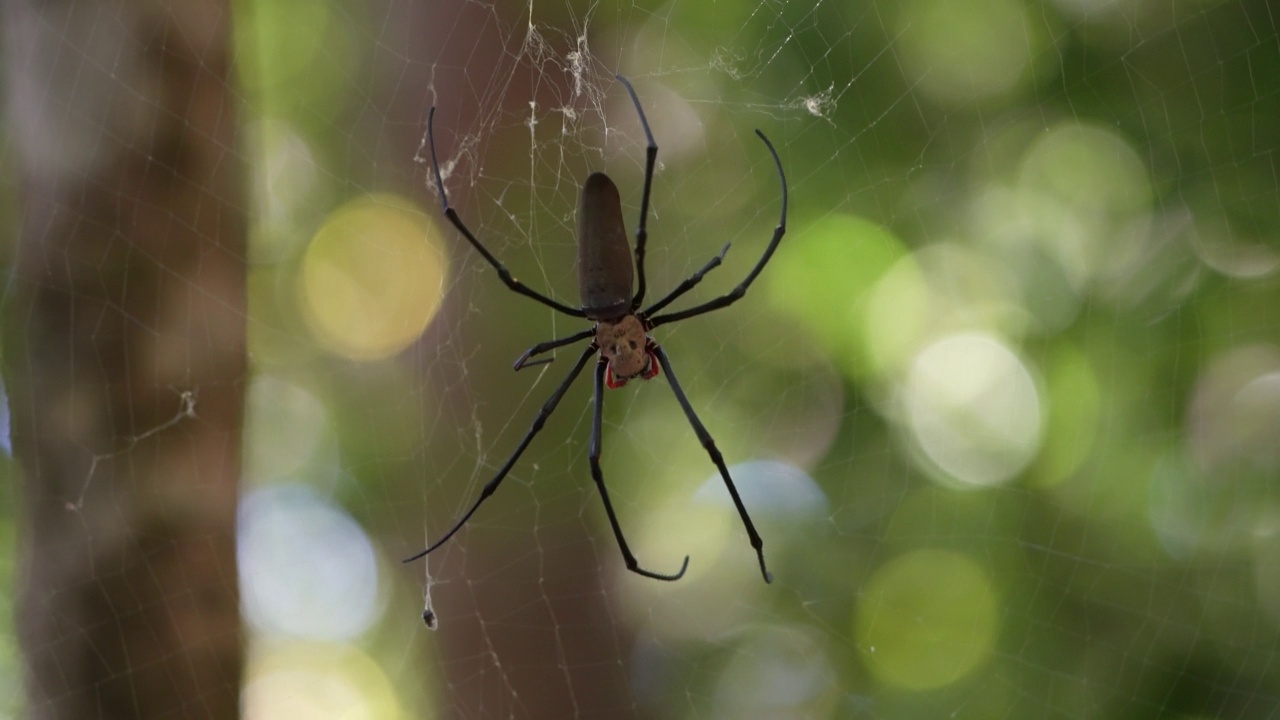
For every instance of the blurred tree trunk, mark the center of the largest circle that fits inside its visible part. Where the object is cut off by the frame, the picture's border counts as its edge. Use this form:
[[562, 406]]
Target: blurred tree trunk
[[125, 353]]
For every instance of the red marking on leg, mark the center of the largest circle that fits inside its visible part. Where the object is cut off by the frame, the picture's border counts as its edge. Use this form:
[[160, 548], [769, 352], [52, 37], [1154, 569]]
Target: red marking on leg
[[612, 381], [652, 371]]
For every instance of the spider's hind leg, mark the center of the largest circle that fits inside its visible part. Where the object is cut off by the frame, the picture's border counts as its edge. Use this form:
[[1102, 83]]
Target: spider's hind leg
[[492, 486], [709, 445], [596, 474]]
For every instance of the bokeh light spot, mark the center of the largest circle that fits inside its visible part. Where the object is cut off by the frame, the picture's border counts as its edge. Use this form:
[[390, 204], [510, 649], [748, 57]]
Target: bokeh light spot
[[1231, 253], [1042, 249], [926, 619], [1234, 413], [306, 568], [784, 503], [774, 487], [1097, 177], [296, 57], [824, 276], [973, 409], [777, 671], [290, 679], [957, 51], [899, 311], [373, 277], [285, 425], [693, 608], [1075, 406], [1218, 491], [285, 181]]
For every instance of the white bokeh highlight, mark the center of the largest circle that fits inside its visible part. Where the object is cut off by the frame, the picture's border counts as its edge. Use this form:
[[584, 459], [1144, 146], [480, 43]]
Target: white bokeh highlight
[[307, 569], [973, 409]]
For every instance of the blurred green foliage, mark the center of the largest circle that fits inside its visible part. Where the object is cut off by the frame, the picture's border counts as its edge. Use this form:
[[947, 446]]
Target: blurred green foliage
[[1083, 195]]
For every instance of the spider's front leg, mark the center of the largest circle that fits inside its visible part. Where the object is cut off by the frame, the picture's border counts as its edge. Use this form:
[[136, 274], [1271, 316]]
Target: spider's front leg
[[524, 360], [452, 216]]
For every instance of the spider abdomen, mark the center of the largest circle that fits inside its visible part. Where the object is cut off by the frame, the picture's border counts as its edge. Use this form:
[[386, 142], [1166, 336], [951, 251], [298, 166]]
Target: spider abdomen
[[605, 272], [624, 345]]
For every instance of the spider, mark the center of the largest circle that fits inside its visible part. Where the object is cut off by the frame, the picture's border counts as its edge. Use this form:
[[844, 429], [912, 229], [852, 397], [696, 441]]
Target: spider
[[620, 332]]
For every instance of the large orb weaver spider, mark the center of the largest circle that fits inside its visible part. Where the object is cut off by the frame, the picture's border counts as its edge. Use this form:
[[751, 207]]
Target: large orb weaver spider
[[620, 333]]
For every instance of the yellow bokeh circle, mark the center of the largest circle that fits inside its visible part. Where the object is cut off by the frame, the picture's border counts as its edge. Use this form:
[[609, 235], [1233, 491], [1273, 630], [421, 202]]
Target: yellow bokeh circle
[[926, 619], [373, 277]]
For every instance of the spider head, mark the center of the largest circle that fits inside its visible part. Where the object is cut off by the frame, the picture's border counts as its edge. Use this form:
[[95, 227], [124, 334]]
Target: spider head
[[625, 347]]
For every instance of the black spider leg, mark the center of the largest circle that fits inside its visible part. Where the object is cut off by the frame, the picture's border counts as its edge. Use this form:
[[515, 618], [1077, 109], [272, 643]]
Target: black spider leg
[[523, 360], [598, 476], [737, 293], [452, 216], [709, 445], [642, 233], [547, 408], [687, 285]]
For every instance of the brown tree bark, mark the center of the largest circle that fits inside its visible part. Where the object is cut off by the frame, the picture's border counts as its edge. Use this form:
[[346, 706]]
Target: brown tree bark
[[125, 354]]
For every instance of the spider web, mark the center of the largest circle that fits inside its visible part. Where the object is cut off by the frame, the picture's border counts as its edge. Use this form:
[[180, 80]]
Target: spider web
[[1003, 406]]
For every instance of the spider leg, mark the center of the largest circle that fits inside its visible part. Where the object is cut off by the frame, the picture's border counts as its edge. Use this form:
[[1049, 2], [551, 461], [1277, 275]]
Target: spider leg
[[598, 476], [547, 408], [710, 446], [687, 285], [523, 360], [651, 156], [737, 293], [452, 216]]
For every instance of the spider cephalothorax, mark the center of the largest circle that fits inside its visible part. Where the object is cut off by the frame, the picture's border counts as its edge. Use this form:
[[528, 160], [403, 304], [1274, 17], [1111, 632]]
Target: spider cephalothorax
[[625, 348], [619, 337]]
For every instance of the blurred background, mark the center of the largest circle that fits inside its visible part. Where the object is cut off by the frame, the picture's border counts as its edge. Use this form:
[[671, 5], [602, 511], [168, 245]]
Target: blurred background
[[1004, 405]]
